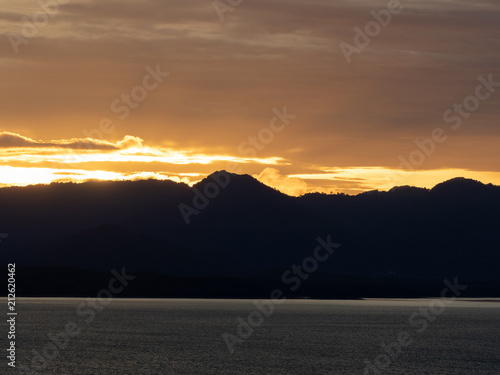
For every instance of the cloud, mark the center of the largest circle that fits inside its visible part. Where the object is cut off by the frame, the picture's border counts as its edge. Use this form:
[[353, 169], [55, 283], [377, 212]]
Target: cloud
[[18, 148], [13, 140], [10, 140], [130, 141], [290, 186]]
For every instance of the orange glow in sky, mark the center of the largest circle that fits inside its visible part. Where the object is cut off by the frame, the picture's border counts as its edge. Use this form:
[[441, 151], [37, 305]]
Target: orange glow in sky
[[170, 90]]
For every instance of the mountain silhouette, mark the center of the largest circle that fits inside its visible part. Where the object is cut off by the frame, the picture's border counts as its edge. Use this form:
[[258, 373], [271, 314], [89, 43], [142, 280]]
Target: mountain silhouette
[[112, 247], [240, 229]]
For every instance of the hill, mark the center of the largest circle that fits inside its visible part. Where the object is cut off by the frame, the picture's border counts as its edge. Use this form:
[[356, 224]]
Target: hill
[[238, 228]]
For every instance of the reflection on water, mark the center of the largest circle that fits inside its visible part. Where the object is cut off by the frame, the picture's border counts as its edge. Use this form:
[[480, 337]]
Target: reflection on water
[[178, 336]]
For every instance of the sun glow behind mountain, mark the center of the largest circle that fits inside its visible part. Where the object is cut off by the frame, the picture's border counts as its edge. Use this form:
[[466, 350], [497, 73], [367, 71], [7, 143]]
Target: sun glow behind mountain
[[165, 89], [27, 162]]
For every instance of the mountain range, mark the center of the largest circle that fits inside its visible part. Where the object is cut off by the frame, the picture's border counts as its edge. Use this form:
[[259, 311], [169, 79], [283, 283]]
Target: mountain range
[[232, 236]]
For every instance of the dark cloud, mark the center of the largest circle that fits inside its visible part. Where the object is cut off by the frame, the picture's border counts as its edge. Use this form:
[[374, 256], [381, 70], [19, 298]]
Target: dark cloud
[[8, 140]]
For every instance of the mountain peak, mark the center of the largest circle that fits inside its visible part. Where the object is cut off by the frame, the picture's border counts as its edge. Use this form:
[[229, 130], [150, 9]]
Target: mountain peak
[[458, 185], [236, 183]]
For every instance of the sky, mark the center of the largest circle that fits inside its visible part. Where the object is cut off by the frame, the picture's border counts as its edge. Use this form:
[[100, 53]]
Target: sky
[[305, 95]]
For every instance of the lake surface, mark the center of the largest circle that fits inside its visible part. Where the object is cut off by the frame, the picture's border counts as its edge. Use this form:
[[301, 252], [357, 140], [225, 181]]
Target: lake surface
[[300, 337]]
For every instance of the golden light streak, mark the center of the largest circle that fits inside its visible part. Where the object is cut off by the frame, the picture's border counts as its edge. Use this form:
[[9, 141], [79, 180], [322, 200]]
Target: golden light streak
[[385, 179], [54, 160], [21, 176], [134, 155]]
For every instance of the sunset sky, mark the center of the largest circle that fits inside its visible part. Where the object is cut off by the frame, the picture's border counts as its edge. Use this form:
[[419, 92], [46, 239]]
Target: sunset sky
[[174, 89]]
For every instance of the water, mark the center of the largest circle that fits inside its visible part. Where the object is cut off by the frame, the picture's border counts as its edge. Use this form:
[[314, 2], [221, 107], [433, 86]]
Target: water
[[300, 337]]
